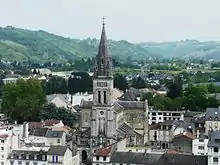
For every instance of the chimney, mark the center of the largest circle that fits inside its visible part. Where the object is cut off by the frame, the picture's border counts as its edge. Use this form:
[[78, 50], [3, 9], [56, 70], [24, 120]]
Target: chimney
[[25, 129]]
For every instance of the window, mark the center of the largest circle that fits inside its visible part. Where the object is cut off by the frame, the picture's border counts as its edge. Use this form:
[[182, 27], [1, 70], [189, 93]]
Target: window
[[53, 159], [215, 149], [27, 163], [35, 163], [56, 159], [2, 163], [58, 140], [2, 141], [99, 97], [2, 148], [2, 156], [19, 162], [215, 159], [11, 162], [201, 147], [105, 97], [97, 157], [201, 140], [216, 125]]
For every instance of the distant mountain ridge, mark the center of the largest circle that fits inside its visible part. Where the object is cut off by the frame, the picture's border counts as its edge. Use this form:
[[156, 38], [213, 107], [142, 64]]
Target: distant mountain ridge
[[21, 44], [185, 49]]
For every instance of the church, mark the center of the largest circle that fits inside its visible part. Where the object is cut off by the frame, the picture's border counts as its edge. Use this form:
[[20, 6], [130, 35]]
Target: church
[[106, 120]]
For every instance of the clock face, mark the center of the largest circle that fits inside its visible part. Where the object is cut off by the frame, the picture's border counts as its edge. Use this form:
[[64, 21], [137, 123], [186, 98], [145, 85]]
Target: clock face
[[101, 112]]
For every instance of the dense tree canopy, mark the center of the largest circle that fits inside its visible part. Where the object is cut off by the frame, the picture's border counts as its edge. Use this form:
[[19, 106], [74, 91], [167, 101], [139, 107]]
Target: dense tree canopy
[[55, 85], [50, 111], [79, 82], [120, 82], [23, 100]]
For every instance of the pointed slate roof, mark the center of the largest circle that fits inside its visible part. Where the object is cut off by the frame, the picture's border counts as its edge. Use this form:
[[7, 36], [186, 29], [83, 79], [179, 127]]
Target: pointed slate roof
[[103, 62]]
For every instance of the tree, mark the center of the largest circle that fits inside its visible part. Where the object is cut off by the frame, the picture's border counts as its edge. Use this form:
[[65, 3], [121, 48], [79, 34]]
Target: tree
[[55, 85], [50, 111], [174, 88], [138, 83], [120, 82], [23, 100], [80, 82]]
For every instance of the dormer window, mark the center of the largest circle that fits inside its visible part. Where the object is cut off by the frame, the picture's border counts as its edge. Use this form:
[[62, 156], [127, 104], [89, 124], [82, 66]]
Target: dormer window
[[216, 118], [20, 156], [43, 157], [35, 157], [27, 156], [210, 118]]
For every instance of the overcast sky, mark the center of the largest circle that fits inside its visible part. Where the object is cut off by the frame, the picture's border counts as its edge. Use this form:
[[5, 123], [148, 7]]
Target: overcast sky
[[132, 20]]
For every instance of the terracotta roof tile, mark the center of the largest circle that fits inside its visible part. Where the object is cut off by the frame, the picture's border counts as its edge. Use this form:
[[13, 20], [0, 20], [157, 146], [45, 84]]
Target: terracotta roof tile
[[186, 134], [104, 151]]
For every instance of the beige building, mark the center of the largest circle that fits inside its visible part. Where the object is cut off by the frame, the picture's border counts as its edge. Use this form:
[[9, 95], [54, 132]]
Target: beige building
[[212, 120]]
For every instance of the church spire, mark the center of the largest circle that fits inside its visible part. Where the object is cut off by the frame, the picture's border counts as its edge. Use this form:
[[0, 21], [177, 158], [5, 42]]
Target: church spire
[[103, 66]]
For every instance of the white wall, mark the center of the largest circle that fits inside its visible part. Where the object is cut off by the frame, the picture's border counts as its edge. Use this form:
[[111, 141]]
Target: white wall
[[199, 146]]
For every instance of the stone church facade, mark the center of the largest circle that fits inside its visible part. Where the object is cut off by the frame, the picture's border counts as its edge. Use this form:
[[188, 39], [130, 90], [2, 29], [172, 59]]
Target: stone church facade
[[105, 120]]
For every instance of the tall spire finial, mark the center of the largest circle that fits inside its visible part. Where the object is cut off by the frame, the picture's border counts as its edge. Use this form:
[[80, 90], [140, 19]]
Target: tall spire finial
[[103, 21]]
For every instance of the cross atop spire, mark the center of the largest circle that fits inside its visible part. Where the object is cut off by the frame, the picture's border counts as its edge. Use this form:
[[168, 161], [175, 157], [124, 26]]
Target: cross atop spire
[[103, 21]]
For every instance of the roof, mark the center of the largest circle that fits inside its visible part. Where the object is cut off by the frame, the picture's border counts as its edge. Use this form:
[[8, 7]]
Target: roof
[[125, 129], [158, 125], [57, 150], [135, 158], [191, 113], [157, 159], [31, 155], [132, 104], [43, 123], [181, 159], [3, 136], [185, 134], [212, 114], [130, 95], [62, 97], [214, 140], [118, 105], [103, 151], [54, 134], [39, 132]]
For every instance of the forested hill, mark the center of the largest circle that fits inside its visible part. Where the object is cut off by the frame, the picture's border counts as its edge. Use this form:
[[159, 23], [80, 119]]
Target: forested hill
[[19, 44]]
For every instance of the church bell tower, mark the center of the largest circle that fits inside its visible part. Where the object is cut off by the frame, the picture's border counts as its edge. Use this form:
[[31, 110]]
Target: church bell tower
[[103, 116]]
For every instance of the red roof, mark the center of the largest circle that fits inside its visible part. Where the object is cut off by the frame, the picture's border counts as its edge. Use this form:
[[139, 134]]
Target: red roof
[[185, 134], [172, 152], [51, 122], [3, 136], [103, 151], [43, 123]]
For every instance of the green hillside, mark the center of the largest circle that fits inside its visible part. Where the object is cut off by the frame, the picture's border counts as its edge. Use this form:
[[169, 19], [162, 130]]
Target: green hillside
[[185, 49], [20, 44]]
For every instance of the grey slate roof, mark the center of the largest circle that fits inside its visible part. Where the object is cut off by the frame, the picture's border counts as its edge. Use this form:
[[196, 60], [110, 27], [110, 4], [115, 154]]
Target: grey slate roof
[[180, 159], [57, 150], [214, 140], [54, 134], [63, 97], [132, 104], [39, 132], [23, 153], [212, 114], [157, 159], [119, 105], [125, 129], [130, 95], [135, 158]]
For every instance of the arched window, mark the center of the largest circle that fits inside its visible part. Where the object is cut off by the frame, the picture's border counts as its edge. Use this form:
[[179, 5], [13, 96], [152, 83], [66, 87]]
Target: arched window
[[105, 98], [99, 97]]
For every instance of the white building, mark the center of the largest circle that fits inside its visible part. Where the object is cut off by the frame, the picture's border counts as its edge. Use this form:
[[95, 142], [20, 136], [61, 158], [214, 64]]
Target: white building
[[8, 142], [214, 148], [161, 116], [200, 145], [52, 155], [60, 155], [212, 120]]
